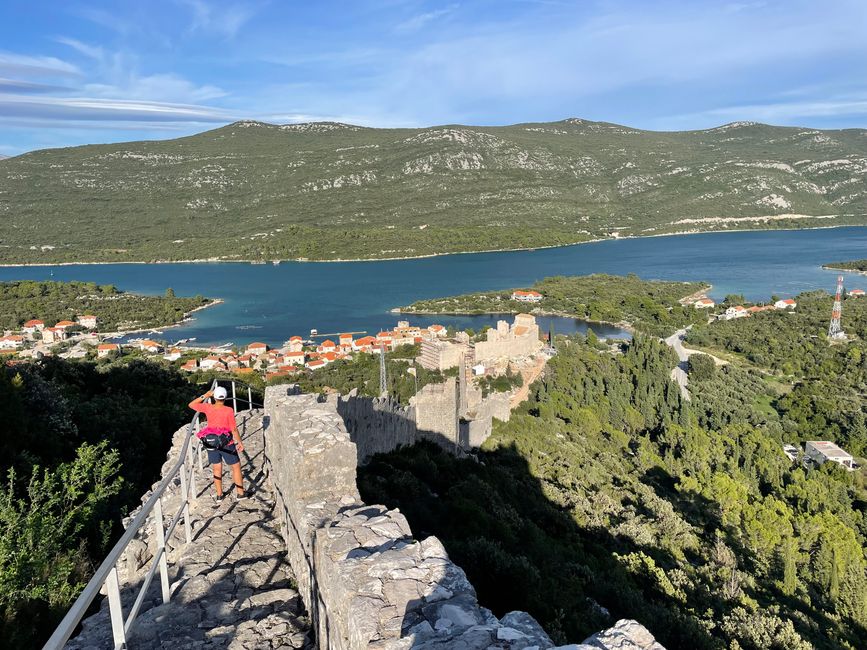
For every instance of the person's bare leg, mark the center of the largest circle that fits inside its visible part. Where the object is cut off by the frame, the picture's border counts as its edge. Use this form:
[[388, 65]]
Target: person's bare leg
[[218, 478], [236, 477]]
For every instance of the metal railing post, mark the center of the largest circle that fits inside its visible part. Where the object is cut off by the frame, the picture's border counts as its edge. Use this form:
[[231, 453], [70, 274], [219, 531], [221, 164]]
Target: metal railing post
[[115, 608], [249, 398], [234, 398], [159, 527], [188, 529], [192, 458]]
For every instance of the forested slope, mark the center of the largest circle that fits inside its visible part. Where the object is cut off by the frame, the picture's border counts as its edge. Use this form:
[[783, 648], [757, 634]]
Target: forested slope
[[824, 384], [252, 190], [80, 443], [606, 496]]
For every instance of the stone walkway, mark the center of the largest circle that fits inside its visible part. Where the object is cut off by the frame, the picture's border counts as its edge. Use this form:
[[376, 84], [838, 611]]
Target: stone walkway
[[231, 587]]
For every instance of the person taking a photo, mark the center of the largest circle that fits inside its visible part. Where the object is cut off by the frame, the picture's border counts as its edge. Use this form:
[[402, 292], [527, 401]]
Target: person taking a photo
[[221, 438]]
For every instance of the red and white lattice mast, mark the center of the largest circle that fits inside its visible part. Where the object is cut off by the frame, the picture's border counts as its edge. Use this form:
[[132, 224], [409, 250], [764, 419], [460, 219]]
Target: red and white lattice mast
[[835, 330]]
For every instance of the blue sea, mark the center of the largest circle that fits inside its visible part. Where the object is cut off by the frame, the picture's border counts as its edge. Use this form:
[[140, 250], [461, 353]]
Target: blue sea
[[271, 303]]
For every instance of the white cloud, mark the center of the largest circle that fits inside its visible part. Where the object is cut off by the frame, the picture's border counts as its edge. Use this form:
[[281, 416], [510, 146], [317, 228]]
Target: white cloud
[[224, 20], [41, 66], [66, 109], [156, 87], [783, 112], [417, 22], [90, 51]]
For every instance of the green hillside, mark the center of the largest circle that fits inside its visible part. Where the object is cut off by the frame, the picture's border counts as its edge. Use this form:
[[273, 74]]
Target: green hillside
[[328, 191]]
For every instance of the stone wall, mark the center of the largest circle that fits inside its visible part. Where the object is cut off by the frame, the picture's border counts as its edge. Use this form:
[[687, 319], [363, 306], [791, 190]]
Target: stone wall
[[366, 582], [436, 412]]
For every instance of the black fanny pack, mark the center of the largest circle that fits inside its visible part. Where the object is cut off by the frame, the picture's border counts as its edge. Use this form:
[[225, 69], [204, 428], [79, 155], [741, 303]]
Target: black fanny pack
[[215, 440]]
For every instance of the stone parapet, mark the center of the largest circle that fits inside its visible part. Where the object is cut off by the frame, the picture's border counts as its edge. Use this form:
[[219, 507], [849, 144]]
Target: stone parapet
[[366, 581]]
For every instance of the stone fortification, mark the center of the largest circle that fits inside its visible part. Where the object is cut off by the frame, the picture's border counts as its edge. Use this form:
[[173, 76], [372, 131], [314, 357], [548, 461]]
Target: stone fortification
[[442, 355], [519, 340], [366, 582], [436, 413]]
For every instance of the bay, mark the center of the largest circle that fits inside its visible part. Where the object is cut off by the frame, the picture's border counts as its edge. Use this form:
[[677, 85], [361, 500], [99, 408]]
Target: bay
[[270, 303]]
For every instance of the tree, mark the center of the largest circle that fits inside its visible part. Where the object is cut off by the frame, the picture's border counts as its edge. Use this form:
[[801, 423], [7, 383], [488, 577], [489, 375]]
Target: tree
[[170, 293], [701, 367]]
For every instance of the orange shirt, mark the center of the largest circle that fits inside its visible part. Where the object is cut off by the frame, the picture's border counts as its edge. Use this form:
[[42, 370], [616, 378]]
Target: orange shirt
[[219, 417]]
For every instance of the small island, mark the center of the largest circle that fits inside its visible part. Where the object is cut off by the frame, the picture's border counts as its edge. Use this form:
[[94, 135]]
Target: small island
[[652, 306], [855, 266]]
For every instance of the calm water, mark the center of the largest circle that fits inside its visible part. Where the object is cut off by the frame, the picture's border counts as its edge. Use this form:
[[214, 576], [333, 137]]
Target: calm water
[[269, 303]]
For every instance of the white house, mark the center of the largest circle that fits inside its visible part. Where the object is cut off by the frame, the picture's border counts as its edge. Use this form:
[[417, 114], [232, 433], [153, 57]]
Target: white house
[[856, 293], [788, 303], [822, 451], [32, 327], [173, 355], [150, 346], [527, 296], [704, 303], [88, 321], [11, 342], [294, 358], [105, 349], [739, 311], [212, 363]]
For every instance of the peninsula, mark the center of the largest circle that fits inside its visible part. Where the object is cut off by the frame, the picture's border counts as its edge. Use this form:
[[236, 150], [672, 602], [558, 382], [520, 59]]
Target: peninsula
[[625, 301]]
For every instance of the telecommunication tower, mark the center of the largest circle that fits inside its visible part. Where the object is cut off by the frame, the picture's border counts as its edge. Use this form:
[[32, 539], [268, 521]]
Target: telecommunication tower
[[835, 330]]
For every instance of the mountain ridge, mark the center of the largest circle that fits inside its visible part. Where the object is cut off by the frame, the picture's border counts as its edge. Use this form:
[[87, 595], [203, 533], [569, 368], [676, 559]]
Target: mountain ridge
[[329, 190]]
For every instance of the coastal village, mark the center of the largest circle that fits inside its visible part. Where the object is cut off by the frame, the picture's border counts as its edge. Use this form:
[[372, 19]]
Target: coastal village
[[516, 349]]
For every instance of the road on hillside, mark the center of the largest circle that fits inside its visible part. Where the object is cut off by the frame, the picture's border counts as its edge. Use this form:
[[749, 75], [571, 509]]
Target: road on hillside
[[680, 372]]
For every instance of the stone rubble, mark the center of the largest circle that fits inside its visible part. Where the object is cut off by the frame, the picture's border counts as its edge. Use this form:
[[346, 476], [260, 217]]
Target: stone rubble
[[231, 587]]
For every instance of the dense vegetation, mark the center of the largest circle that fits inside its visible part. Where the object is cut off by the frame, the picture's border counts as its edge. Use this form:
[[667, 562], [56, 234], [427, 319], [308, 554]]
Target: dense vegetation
[[80, 442], [362, 374], [825, 384], [330, 191], [55, 301], [851, 265], [648, 305], [607, 496]]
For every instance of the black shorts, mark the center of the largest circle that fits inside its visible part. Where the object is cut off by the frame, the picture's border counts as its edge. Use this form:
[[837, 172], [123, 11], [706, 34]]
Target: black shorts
[[228, 455]]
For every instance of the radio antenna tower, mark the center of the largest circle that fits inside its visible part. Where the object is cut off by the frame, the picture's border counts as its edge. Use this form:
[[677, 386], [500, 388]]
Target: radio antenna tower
[[835, 331], [383, 383]]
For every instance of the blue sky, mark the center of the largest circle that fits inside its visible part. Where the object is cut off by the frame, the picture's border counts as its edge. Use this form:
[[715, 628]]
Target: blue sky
[[90, 71]]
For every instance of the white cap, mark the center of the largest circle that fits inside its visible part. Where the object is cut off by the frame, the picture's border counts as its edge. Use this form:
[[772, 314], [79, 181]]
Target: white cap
[[220, 393]]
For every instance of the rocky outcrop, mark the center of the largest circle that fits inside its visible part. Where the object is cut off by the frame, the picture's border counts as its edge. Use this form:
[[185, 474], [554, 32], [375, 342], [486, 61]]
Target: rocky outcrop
[[366, 581]]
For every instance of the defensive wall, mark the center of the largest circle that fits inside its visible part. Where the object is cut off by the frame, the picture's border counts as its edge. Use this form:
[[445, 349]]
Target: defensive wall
[[366, 582]]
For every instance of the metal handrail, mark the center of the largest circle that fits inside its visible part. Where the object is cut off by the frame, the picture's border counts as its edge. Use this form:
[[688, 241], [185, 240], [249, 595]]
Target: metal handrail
[[106, 575]]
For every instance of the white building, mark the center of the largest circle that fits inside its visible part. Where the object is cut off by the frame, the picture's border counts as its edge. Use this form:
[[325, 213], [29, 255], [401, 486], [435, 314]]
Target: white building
[[822, 451], [856, 293], [527, 296], [704, 303], [105, 349], [150, 346], [87, 321], [788, 303], [738, 311], [33, 327], [11, 342]]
